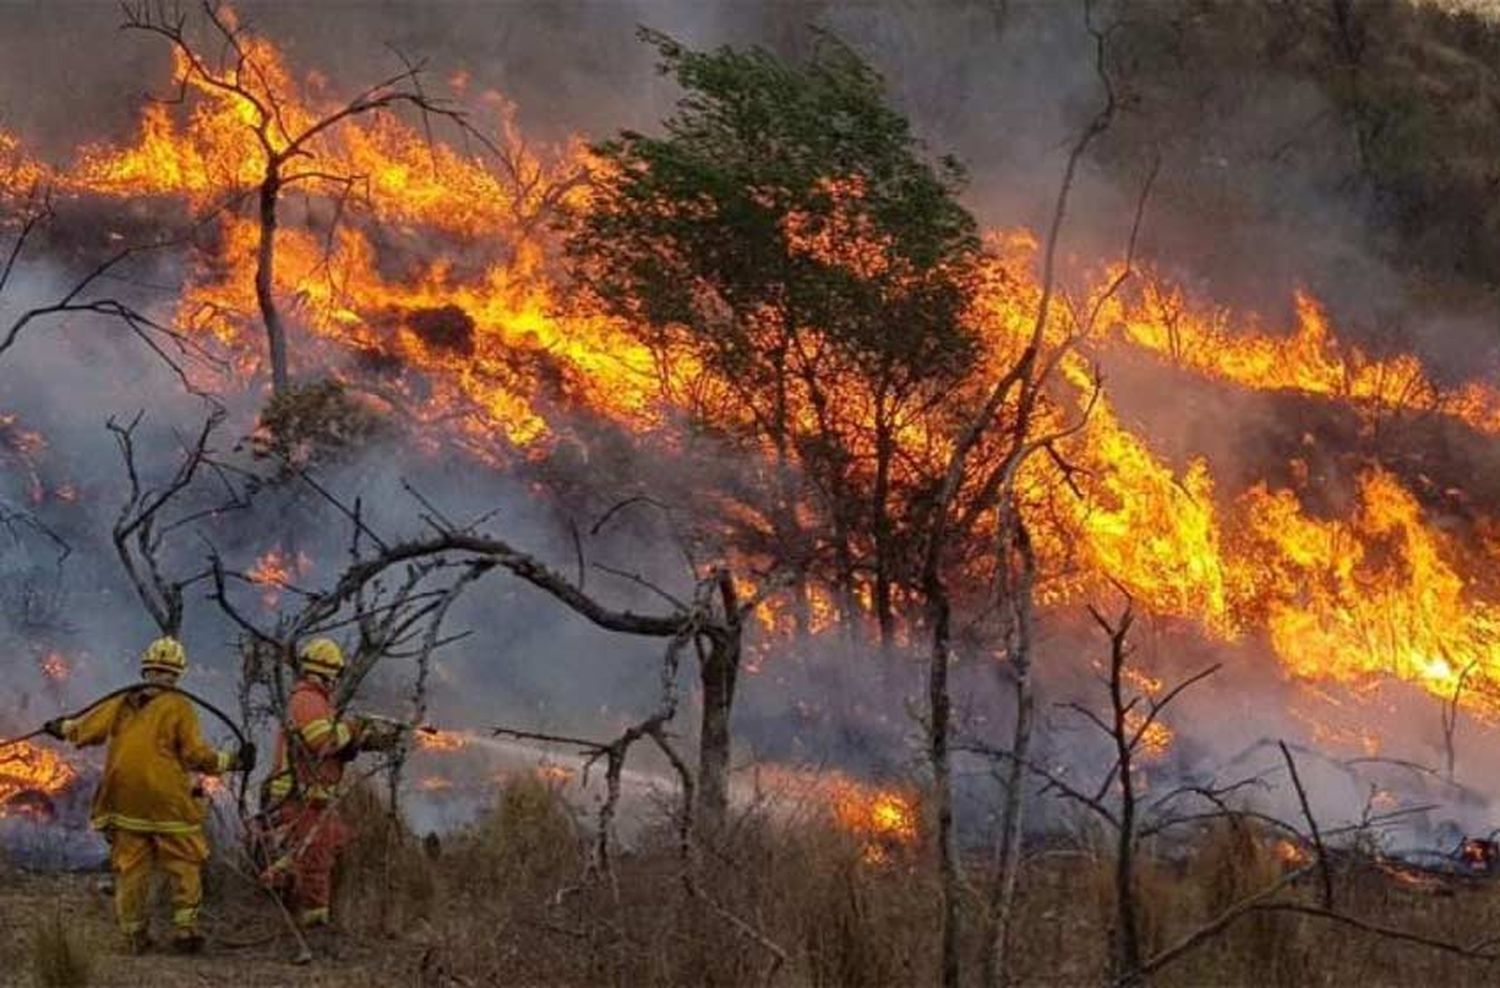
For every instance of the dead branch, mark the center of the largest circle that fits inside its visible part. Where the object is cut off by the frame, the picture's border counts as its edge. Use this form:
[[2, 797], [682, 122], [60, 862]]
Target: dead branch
[[157, 337], [240, 76], [1450, 715], [1477, 951], [137, 537], [39, 211], [1206, 933], [1312, 825], [1126, 953]]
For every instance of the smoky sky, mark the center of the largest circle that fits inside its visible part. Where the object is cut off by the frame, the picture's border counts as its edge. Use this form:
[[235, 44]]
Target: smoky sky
[[999, 88], [1006, 87]]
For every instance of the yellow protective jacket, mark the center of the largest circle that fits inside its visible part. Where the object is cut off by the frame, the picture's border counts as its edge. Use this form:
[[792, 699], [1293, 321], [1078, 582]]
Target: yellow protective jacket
[[153, 743]]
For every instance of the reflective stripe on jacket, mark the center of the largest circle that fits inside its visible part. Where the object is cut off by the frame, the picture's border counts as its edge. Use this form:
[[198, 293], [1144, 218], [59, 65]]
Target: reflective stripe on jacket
[[322, 737], [154, 742]]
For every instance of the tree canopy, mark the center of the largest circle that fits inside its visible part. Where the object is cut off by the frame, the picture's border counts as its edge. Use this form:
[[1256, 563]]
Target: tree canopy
[[789, 231]]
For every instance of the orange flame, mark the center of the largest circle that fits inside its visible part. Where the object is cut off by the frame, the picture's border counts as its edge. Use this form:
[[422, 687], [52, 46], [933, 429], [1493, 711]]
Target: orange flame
[[28, 768], [276, 571], [883, 820], [432, 739], [434, 276]]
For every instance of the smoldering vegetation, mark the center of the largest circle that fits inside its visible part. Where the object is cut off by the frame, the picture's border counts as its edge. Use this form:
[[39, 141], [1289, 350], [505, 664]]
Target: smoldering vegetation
[[1297, 149]]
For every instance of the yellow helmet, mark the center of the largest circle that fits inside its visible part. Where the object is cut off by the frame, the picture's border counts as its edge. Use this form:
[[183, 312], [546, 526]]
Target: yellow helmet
[[323, 656], [164, 655]]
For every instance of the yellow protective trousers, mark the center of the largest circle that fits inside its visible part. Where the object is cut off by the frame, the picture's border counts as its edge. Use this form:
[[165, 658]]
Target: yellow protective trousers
[[136, 856]]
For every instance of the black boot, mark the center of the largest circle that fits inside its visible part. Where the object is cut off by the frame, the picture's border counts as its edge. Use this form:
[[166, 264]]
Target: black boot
[[188, 942]]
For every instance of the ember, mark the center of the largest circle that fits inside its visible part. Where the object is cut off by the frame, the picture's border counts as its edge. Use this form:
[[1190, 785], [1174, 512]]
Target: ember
[[277, 571], [56, 668]]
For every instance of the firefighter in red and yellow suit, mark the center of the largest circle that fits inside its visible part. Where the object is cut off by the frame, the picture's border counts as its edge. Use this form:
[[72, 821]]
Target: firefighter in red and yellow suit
[[145, 804], [302, 791]]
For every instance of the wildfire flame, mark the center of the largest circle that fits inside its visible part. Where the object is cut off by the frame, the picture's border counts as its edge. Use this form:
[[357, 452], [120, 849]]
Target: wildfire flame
[[432, 739], [277, 570], [1290, 853], [474, 337], [883, 820], [1155, 737], [29, 768]]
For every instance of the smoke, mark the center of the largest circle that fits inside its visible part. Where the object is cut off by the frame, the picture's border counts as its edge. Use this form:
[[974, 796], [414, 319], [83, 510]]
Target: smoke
[[1253, 202]]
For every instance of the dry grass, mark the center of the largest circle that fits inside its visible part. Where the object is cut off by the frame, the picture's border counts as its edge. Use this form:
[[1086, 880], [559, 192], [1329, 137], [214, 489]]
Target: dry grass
[[510, 900], [59, 958]]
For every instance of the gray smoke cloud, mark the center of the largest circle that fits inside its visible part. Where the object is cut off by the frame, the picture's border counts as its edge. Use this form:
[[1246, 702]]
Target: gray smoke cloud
[[1248, 208]]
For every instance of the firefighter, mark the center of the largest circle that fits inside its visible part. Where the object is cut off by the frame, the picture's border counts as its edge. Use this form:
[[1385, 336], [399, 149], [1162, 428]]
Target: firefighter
[[145, 805], [300, 797]]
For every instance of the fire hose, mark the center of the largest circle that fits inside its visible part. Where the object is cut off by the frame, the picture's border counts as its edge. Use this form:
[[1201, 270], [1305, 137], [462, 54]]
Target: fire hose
[[304, 953], [135, 688], [234, 728]]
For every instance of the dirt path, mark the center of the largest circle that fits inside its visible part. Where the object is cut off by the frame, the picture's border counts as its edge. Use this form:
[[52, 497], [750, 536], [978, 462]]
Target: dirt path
[[28, 899]]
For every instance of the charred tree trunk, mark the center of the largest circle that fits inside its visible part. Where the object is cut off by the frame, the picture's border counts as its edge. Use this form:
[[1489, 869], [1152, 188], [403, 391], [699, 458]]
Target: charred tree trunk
[[784, 515], [940, 755], [851, 619], [1126, 947], [265, 269], [880, 509], [1015, 580], [718, 674]]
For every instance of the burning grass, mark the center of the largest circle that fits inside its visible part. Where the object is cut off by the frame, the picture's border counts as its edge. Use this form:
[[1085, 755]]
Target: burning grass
[[463, 320]]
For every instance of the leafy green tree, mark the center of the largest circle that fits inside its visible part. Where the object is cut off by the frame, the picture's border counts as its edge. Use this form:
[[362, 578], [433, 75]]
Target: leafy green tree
[[788, 237]]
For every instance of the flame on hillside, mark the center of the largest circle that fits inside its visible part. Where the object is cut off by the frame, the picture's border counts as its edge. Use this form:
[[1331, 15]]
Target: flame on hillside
[[433, 277]]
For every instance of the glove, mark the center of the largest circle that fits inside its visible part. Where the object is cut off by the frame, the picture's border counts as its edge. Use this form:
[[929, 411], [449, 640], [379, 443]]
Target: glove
[[385, 737], [244, 760], [54, 727]]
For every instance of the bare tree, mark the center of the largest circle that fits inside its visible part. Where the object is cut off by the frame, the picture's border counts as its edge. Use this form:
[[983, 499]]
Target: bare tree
[[81, 297], [1127, 723], [287, 149], [1009, 408], [390, 617], [142, 526], [1450, 712]]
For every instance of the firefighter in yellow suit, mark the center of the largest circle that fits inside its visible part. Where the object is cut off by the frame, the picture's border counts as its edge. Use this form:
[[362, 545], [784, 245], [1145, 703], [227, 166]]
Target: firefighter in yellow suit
[[145, 805]]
